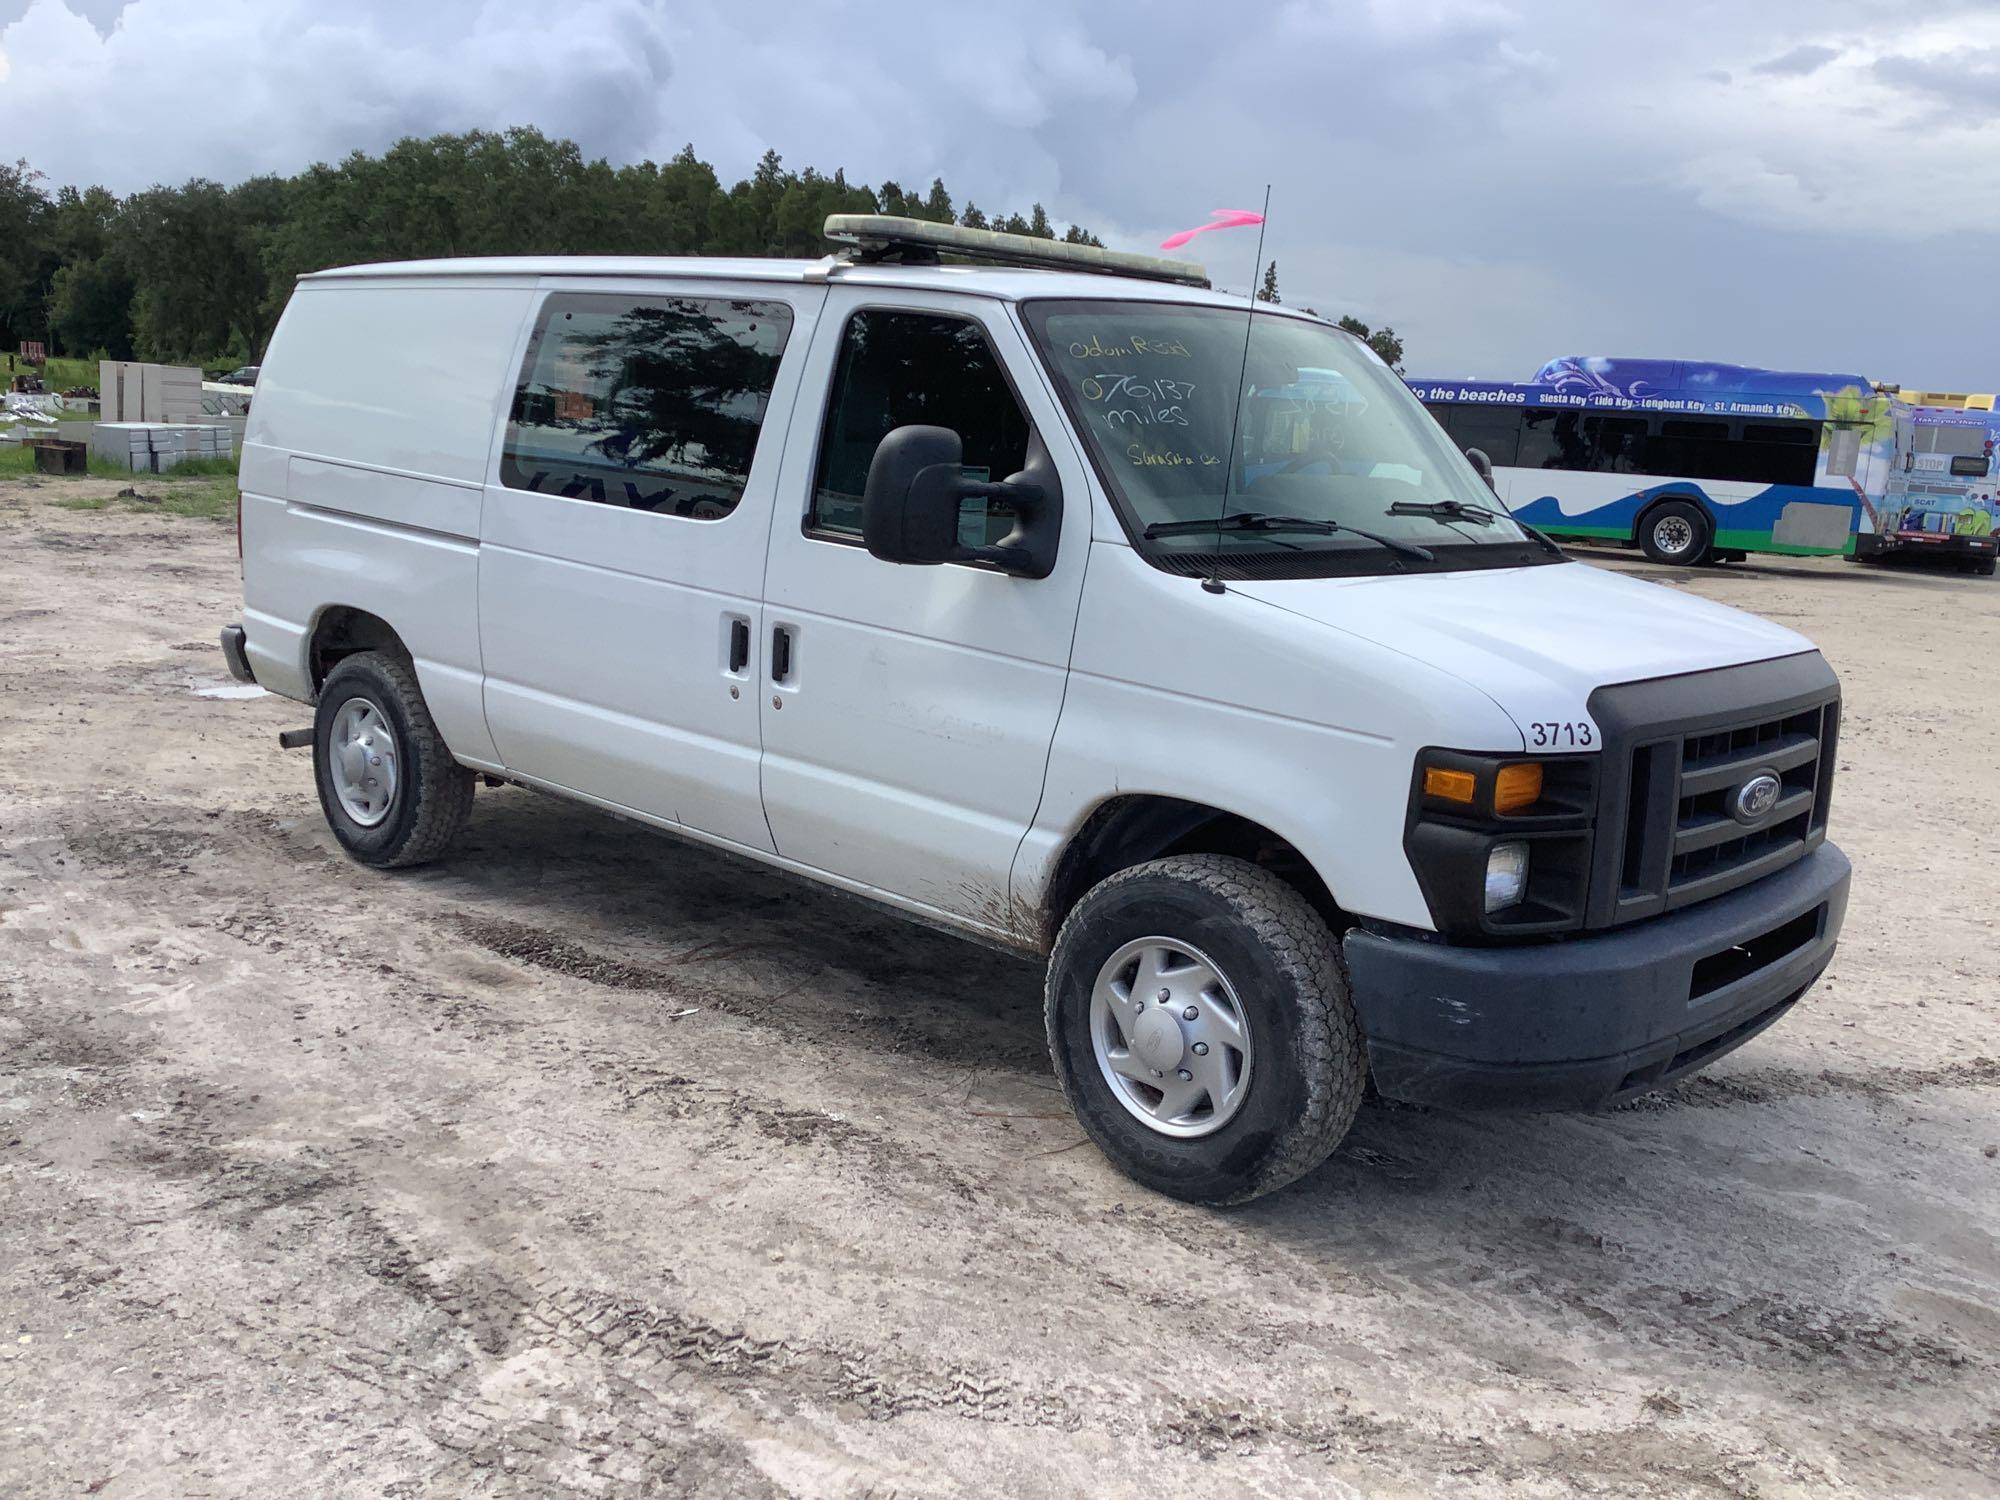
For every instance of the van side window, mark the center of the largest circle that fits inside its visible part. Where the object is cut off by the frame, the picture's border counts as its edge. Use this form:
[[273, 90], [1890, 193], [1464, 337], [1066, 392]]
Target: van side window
[[653, 403], [899, 368]]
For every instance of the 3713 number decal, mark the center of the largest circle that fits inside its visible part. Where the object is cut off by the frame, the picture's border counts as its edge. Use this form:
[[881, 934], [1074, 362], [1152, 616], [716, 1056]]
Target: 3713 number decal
[[1554, 734]]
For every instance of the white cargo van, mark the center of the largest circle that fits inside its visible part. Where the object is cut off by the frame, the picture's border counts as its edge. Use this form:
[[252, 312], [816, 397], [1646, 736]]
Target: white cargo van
[[1060, 601]]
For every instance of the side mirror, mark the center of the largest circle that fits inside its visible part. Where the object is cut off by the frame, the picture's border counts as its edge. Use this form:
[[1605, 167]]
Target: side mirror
[[913, 504], [1484, 466]]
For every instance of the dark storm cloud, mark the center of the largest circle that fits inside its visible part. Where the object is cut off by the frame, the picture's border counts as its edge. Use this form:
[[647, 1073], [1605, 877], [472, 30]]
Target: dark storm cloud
[[1798, 62], [1958, 83]]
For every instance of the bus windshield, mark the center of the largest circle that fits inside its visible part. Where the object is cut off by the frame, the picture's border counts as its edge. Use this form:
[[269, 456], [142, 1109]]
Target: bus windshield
[[1325, 434]]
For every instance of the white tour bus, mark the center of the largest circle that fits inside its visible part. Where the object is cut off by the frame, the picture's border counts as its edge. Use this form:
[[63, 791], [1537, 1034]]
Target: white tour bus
[[961, 587]]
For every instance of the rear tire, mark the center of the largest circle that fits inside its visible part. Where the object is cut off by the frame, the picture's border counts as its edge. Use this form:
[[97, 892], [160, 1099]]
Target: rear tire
[[1256, 1001], [1677, 533], [387, 783]]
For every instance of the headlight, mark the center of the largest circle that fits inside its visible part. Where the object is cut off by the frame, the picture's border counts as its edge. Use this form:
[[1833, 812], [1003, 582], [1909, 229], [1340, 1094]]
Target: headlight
[[1506, 876], [1500, 844]]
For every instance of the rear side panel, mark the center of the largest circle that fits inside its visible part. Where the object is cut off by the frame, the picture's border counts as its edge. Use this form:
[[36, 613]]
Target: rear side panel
[[362, 470]]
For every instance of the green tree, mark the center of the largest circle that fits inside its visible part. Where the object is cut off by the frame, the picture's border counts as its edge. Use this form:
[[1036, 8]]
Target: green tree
[[24, 212], [1268, 292], [89, 295], [937, 206], [1382, 340]]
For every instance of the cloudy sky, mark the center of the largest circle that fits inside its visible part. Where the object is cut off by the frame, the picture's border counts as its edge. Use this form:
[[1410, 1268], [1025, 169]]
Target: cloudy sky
[[1804, 183]]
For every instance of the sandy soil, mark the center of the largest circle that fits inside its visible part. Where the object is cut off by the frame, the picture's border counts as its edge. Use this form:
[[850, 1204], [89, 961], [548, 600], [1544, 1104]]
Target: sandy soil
[[589, 1163]]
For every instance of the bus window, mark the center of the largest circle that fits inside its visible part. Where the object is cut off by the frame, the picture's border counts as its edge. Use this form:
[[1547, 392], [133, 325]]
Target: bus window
[[1773, 453], [1550, 440], [1494, 430], [1686, 448], [1843, 452], [1617, 445]]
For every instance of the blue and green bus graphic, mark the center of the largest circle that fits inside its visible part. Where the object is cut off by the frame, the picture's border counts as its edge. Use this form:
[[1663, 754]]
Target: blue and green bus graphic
[[1687, 460]]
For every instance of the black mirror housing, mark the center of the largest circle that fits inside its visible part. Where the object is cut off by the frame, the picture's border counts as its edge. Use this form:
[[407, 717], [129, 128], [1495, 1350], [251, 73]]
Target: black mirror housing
[[1483, 466], [909, 507], [913, 500]]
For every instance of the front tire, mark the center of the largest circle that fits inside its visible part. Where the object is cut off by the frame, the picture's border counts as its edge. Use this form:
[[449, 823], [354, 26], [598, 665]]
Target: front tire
[[387, 783], [1200, 1027], [1677, 533]]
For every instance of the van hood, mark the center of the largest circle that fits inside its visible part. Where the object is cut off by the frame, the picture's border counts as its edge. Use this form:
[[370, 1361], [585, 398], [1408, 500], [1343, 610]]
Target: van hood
[[1539, 640]]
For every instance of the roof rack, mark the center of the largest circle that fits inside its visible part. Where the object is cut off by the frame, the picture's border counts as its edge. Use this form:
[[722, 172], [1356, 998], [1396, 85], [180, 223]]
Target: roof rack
[[884, 238]]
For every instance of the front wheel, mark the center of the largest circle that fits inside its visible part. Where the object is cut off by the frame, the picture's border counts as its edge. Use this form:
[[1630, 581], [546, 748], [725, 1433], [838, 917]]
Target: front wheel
[[1677, 533], [1200, 1027], [391, 791]]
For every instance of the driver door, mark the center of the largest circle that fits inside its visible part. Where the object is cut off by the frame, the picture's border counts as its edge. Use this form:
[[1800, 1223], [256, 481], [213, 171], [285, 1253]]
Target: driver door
[[908, 710]]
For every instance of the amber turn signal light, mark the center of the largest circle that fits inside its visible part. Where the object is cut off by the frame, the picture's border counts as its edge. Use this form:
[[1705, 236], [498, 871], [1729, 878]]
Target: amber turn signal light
[[1517, 788], [1450, 786]]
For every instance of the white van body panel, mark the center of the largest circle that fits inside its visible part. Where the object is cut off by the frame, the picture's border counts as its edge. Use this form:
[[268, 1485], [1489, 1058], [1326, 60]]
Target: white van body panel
[[1220, 699], [363, 462], [605, 630], [1537, 640]]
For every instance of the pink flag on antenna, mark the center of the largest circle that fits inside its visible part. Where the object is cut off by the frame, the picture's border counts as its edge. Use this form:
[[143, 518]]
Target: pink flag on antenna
[[1222, 218]]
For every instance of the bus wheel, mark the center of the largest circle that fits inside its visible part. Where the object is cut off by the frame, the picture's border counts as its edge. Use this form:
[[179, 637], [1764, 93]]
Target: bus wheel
[[1677, 532]]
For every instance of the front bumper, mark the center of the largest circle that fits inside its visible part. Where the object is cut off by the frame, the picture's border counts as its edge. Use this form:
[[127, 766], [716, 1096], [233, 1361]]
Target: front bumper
[[1589, 1021], [1924, 544]]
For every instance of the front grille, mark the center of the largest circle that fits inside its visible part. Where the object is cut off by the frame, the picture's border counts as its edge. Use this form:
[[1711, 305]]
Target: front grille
[[1710, 846], [1676, 753]]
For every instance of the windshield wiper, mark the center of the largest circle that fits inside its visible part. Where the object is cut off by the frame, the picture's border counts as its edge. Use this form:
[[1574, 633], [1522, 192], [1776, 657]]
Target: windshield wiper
[[1251, 520], [1455, 510], [1458, 510]]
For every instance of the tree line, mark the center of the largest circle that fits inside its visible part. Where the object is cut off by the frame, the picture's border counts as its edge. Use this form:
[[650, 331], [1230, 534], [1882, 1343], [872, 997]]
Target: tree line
[[199, 273]]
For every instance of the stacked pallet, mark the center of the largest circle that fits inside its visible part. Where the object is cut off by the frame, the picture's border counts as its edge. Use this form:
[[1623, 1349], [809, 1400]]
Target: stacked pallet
[[155, 447]]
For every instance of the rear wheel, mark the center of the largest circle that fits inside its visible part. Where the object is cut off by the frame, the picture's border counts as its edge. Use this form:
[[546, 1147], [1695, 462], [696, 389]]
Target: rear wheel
[[1200, 1027], [1677, 533], [391, 791]]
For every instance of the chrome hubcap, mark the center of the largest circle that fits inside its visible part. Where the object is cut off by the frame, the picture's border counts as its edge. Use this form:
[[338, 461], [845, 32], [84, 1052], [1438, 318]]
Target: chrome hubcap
[[1170, 1037], [362, 751], [1673, 534]]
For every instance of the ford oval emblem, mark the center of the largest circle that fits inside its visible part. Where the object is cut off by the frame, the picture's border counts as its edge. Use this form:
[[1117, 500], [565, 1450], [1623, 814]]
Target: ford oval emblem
[[1755, 798]]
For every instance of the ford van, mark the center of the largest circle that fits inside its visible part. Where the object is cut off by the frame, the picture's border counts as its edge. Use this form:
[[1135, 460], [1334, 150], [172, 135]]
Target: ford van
[[1050, 597]]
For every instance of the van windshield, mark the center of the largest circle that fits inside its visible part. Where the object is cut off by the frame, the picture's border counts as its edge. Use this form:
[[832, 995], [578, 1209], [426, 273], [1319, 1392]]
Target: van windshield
[[1328, 434]]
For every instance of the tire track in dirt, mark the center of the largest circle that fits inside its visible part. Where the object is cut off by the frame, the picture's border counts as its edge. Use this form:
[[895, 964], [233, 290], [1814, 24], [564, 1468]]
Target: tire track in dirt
[[1885, 1083]]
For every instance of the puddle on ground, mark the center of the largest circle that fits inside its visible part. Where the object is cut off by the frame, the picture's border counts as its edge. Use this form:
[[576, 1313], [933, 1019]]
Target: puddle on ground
[[226, 690]]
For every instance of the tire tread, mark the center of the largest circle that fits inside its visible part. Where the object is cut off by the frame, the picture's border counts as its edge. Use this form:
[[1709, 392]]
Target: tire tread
[[1332, 1052], [443, 788]]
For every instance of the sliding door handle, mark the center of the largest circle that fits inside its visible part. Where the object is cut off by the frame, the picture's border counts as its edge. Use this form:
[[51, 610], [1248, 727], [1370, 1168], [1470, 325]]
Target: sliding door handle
[[781, 653], [739, 645]]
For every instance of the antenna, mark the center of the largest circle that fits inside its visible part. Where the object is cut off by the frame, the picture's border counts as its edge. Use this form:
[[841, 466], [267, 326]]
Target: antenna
[[1213, 583]]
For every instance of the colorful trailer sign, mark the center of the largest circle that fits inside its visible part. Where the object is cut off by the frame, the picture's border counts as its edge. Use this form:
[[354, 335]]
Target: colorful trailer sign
[[1687, 460]]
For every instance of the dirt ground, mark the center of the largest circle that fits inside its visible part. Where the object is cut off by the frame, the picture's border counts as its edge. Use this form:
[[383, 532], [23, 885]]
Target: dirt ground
[[588, 1163]]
